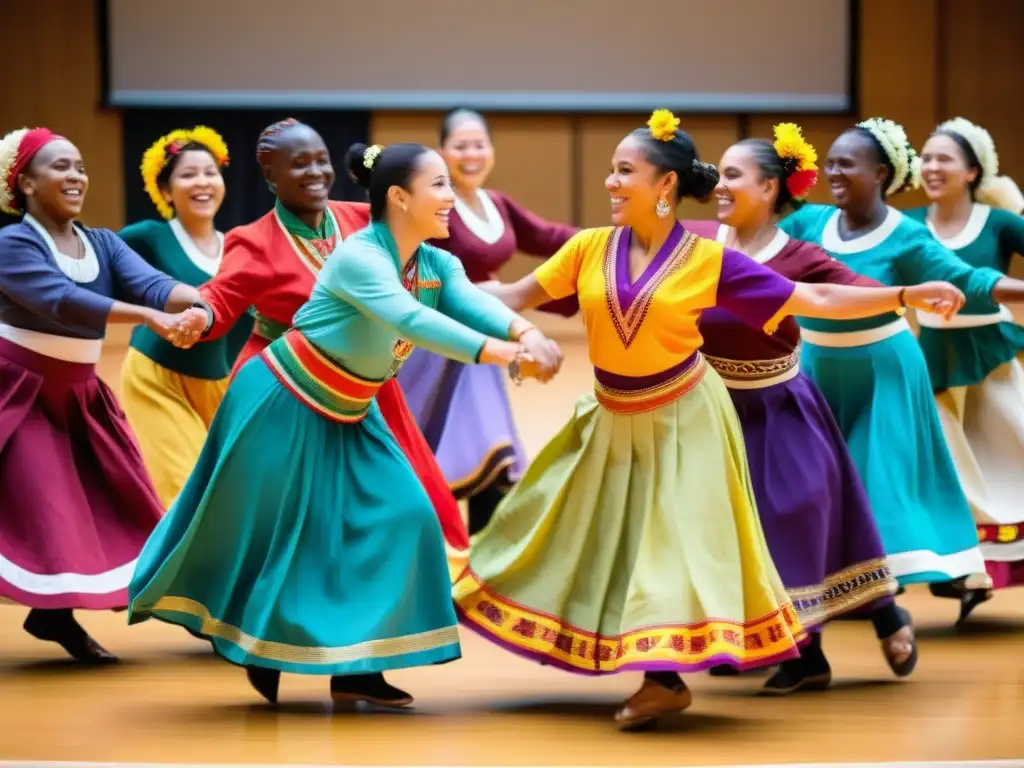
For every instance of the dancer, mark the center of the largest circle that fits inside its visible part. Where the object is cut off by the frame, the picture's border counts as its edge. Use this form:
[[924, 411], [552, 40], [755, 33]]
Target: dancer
[[303, 541], [872, 372], [76, 504], [170, 394], [972, 358], [464, 410], [810, 500], [272, 264], [632, 541]]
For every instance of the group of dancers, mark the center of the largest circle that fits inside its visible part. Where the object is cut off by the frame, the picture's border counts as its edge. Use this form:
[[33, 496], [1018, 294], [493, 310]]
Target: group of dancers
[[767, 446]]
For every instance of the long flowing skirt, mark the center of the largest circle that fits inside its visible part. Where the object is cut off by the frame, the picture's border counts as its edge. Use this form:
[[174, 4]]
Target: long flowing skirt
[[395, 411], [466, 418], [170, 414], [76, 503], [984, 428], [633, 542], [301, 544], [813, 507], [881, 397]]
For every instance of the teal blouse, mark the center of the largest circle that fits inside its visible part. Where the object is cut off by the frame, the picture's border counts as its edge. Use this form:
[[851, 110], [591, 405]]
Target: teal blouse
[[166, 246], [359, 307], [900, 251]]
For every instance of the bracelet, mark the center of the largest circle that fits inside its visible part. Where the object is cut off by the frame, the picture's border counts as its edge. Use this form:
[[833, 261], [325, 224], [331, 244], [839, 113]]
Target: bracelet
[[514, 372], [903, 297], [209, 315], [523, 332]]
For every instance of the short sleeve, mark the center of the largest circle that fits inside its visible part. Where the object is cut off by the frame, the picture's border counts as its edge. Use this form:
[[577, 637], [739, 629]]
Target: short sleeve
[[559, 274], [752, 292]]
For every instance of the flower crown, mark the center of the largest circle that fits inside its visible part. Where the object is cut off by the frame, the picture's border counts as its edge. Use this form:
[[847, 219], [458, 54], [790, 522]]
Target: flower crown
[[899, 151], [156, 158], [370, 155], [663, 125], [799, 157], [8, 157]]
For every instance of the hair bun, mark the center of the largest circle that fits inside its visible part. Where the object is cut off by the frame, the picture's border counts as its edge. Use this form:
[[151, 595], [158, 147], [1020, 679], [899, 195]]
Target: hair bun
[[355, 161], [703, 178]]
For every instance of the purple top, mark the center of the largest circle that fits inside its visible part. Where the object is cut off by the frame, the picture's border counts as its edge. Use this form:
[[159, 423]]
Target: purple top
[[37, 296], [522, 231]]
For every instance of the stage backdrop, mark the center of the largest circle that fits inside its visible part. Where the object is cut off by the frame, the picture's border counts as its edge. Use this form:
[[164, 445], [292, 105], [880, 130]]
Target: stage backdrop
[[535, 55]]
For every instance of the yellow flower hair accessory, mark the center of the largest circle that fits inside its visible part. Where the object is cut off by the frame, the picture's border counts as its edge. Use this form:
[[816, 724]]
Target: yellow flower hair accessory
[[799, 157], [663, 125], [159, 154], [370, 155]]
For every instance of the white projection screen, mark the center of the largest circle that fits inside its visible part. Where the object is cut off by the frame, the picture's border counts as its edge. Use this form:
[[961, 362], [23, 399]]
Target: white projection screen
[[535, 55]]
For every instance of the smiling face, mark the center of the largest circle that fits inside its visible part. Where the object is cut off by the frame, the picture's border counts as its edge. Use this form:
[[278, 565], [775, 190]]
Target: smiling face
[[743, 192], [469, 153], [300, 170], [945, 170], [428, 198], [55, 181], [635, 185], [854, 172], [195, 188]]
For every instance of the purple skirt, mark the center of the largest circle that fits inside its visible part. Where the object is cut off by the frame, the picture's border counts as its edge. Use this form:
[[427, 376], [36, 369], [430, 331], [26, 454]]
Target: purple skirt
[[466, 418], [813, 507], [77, 503]]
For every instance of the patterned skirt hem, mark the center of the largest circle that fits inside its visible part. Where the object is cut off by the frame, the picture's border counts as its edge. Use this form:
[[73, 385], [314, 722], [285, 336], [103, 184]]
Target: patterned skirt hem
[[684, 648], [500, 459], [843, 592], [435, 646]]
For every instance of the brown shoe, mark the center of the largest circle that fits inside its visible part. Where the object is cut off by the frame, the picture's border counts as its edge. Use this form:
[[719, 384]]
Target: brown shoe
[[651, 702]]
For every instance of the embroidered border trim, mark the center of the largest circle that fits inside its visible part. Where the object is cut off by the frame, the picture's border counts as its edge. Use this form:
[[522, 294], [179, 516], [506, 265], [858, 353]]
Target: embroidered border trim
[[628, 323], [1000, 534], [752, 370], [685, 645], [651, 398], [295, 654], [317, 382], [843, 592]]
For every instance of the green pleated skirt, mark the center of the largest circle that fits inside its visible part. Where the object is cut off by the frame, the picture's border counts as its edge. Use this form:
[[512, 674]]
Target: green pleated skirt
[[301, 544]]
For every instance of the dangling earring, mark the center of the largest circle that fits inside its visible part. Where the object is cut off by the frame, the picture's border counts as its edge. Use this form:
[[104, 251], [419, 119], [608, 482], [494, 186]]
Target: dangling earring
[[662, 208]]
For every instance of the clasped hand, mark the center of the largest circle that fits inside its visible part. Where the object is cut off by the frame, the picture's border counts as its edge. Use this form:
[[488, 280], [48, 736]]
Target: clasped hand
[[543, 357], [936, 297], [182, 329]]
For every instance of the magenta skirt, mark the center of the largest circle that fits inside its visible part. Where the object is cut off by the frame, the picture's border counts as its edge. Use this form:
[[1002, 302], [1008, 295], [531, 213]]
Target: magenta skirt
[[76, 502]]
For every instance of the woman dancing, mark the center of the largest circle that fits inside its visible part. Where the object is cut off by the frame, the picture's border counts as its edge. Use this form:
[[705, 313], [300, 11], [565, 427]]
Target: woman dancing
[[272, 264], [872, 371], [810, 500], [170, 394], [77, 503], [464, 410], [336, 563], [632, 541], [972, 358]]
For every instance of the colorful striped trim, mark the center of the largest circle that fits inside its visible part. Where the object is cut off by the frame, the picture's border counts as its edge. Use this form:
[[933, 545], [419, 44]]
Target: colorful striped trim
[[649, 398], [685, 647], [316, 381], [1000, 534]]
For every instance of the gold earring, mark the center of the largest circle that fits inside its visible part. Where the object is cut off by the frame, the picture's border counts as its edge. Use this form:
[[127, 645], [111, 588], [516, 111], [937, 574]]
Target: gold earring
[[662, 209]]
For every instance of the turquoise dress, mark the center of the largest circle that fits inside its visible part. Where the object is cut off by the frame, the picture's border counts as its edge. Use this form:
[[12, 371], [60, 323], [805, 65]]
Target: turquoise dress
[[875, 380], [303, 540]]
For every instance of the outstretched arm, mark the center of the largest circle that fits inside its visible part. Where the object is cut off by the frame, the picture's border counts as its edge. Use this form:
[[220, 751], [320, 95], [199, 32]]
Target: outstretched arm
[[244, 275]]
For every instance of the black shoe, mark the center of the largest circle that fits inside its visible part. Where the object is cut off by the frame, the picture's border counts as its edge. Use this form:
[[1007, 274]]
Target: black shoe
[[60, 626], [371, 688], [265, 681]]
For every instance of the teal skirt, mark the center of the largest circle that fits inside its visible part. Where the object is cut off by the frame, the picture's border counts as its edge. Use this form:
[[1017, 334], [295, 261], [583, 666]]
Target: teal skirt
[[301, 544], [961, 357], [881, 397]]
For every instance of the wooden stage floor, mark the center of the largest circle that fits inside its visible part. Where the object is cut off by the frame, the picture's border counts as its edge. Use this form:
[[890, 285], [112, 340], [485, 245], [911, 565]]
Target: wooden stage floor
[[171, 701]]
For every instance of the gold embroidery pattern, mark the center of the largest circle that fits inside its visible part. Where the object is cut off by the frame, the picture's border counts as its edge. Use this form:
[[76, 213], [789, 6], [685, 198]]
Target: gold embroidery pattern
[[843, 591], [752, 370], [628, 323], [295, 654]]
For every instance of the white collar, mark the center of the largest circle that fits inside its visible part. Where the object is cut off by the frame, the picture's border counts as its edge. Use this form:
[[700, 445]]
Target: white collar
[[975, 224], [83, 270], [491, 227], [831, 241], [195, 254], [767, 253]]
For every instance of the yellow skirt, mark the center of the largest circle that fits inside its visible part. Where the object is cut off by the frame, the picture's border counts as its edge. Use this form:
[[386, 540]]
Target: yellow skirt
[[170, 415]]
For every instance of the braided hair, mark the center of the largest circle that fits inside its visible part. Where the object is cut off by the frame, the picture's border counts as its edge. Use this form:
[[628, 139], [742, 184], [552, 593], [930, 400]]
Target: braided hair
[[270, 138]]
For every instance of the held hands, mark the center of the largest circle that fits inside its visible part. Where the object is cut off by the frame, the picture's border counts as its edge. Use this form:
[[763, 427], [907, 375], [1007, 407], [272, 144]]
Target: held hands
[[543, 357], [182, 329], [935, 297]]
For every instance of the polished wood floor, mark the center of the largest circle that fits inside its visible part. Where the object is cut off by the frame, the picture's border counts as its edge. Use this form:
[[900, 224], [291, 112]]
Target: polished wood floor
[[171, 701]]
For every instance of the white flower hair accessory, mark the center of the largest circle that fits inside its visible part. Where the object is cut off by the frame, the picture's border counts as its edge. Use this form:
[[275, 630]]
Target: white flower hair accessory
[[9, 146], [993, 189], [899, 152]]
